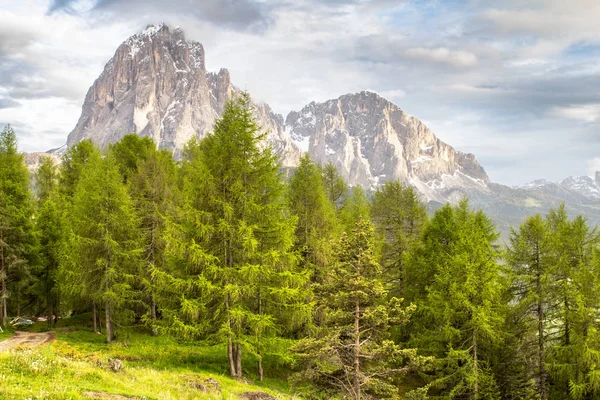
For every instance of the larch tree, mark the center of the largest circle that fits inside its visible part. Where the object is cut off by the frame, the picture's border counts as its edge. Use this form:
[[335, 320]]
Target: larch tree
[[400, 218], [153, 187], [460, 312], [234, 269], [350, 355], [573, 355], [104, 242], [317, 222], [51, 231], [16, 228], [335, 186], [529, 256]]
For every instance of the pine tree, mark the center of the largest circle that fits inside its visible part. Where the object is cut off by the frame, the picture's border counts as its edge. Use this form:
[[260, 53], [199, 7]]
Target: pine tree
[[399, 217], [351, 354], [234, 274], [317, 224], [51, 232], [16, 238], [529, 255], [335, 186], [104, 247], [459, 301]]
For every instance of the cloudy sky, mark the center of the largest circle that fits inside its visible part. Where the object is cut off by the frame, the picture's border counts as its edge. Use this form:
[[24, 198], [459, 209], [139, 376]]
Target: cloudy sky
[[516, 82]]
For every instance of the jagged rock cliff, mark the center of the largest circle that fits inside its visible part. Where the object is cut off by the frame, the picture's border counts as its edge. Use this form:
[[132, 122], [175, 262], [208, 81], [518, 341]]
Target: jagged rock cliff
[[371, 140], [157, 85]]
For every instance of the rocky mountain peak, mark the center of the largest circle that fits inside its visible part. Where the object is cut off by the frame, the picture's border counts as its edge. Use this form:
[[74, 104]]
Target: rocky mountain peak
[[371, 140]]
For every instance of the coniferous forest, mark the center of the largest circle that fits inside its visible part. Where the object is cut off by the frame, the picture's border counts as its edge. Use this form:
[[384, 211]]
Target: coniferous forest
[[355, 295]]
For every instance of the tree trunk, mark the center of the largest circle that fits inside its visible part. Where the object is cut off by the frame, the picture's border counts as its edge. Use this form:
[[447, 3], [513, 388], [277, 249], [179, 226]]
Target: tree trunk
[[357, 351], [258, 341], [238, 359], [231, 358], [94, 317], [19, 298], [49, 308], [56, 308], [109, 327]]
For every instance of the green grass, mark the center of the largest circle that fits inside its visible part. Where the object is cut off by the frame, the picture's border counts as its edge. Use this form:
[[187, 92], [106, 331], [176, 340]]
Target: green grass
[[154, 367]]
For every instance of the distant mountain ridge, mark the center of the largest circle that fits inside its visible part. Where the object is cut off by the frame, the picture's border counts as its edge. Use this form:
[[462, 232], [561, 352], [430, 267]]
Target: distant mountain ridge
[[157, 85]]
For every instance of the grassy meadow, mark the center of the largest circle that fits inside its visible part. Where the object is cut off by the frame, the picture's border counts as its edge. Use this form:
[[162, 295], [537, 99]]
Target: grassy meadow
[[75, 366]]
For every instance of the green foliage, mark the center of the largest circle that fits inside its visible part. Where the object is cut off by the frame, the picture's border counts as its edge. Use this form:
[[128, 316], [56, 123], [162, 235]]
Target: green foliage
[[335, 186], [317, 223], [51, 230], [458, 290], [234, 274], [400, 218], [351, 352], [355, 208], [17, 241], [104, 241]]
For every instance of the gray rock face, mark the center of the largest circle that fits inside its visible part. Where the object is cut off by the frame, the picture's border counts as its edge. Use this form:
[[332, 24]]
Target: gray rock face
[[157, 85], [371, 141]]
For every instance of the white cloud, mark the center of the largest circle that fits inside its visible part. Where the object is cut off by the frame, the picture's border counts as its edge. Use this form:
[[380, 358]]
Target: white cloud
[[443, 55], [593, 165], [587, 112]]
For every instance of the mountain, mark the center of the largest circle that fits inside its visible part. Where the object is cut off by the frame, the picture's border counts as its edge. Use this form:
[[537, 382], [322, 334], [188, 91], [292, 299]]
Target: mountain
[[371, 140], [157, 85]]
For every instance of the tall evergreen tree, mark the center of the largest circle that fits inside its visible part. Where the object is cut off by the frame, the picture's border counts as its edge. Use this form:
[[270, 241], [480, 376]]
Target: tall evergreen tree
[[458, 298], [104, 244], [72, 164], [16, 238], [399, 217], [351, 355], [529, 255], [51, 232], [240, 273], [153, 187], [335, 186], [317, 224], [356, 207]]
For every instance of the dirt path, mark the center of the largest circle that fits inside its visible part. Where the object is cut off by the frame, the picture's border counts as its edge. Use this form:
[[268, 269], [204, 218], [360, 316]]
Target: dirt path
[[26, 339]]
